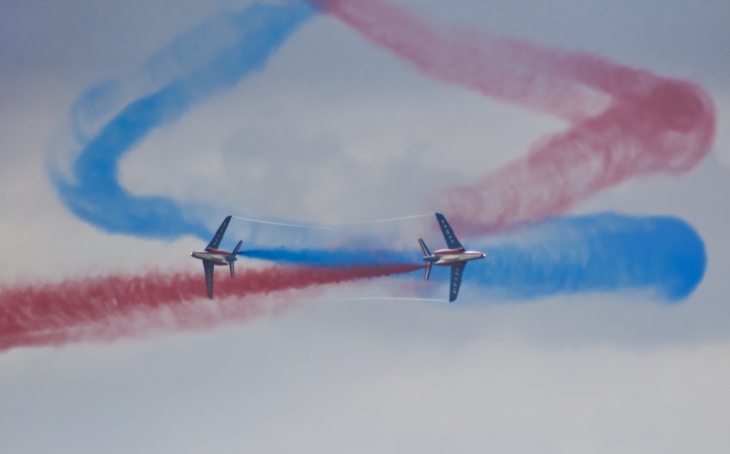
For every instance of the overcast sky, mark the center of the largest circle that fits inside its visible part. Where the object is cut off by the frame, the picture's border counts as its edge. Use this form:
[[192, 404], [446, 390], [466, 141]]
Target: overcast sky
[[336, 130]]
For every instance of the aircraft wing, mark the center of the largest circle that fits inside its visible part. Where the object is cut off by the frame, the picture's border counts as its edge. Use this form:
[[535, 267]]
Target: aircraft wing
[[451, 241], [209, 274], [216, 241], [456, 272]]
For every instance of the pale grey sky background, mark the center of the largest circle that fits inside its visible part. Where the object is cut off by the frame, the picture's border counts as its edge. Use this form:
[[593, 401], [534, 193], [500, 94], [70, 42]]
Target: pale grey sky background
[[590, 373]]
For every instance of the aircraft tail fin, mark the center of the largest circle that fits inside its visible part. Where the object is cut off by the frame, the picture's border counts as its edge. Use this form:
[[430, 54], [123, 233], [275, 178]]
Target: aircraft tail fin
[[238, 247], [231, 259], [451, 241], [216, 241], [424, 248], [427, 271]]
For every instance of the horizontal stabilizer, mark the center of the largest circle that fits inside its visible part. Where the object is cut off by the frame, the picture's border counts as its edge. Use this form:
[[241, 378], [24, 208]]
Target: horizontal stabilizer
[[427, 271]]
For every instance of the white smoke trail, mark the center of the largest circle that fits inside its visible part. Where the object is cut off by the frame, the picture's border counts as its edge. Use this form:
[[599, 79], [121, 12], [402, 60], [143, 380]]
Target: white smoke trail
[[333, 226]]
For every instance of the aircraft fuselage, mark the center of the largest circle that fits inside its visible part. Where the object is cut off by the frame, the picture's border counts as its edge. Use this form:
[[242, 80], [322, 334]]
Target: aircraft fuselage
[[214, 256], [451, 257]]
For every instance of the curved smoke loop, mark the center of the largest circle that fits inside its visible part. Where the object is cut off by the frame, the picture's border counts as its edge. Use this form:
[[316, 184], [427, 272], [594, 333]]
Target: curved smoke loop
[[625, 123]]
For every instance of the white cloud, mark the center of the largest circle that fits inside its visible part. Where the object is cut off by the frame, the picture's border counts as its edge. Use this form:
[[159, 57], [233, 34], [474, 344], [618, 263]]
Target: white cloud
[[722, 140], [333, 378]]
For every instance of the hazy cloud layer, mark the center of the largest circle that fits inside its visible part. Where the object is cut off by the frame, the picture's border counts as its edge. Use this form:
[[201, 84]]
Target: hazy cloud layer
[[564, 374]]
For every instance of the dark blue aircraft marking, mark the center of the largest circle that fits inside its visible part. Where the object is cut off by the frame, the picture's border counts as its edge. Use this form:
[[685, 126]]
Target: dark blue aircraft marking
[[449, 235], [216, 241]]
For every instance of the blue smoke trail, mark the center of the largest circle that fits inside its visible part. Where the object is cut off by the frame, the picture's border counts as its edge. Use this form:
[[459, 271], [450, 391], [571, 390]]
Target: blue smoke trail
[[249, 38], [334, 257], [605, 252]]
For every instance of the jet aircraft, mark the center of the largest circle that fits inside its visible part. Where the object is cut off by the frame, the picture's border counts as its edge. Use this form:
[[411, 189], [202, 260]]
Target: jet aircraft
[[455, 257], [212, 256]]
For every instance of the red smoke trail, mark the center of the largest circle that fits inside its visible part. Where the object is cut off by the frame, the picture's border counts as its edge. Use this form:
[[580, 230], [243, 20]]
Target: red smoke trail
[[109, 307], [625, 122]]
